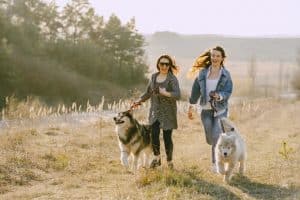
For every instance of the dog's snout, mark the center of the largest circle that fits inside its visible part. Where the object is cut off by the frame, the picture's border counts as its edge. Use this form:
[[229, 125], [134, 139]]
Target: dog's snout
[[225, 153], [115, 118]]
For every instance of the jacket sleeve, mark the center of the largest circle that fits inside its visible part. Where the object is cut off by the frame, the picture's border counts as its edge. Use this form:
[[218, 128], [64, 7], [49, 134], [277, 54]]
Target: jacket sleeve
[[147, 94], [195, 93], [175, 93], [227, 91]]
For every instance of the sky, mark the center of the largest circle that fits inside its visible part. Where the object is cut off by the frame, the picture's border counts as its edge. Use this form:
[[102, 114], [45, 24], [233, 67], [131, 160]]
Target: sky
[[222, 17]]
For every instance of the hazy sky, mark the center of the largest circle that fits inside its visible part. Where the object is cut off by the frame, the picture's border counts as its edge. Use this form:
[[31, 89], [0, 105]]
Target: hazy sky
[[226, 17]]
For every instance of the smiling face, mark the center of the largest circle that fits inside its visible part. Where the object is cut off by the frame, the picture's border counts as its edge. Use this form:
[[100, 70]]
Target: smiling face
[[164, 65], [216, 58]]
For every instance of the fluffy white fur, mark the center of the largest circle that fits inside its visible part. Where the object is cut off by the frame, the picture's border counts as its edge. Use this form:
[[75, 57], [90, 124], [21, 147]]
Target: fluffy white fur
[[230, 150]]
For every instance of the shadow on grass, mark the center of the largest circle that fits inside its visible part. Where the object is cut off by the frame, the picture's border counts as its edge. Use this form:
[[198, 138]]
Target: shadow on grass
[[264, 191], [188, 179], [214, 190]]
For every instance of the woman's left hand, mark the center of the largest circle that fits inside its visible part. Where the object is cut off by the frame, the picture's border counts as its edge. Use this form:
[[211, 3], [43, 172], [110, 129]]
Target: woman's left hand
[[214, 95], [164, 92]]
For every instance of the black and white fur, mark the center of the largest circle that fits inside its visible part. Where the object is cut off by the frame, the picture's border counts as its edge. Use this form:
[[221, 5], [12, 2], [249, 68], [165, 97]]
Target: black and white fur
[[134, 140]]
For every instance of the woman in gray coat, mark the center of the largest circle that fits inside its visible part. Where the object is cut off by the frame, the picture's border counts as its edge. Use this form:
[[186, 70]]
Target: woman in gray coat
[[163, 92]]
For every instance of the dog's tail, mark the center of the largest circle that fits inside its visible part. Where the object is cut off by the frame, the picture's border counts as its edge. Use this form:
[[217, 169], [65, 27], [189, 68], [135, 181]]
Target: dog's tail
[[227, 125]]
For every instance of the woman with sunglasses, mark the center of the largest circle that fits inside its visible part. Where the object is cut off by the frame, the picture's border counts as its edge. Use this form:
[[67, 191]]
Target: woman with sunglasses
[[163, 91], [213, 86]]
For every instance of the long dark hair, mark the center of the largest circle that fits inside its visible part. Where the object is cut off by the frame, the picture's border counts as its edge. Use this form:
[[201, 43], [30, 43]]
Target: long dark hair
[[173, 68], [204, 61]]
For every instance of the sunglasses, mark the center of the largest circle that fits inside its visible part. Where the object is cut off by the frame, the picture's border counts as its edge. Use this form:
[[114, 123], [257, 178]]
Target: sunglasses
[[164, 63]]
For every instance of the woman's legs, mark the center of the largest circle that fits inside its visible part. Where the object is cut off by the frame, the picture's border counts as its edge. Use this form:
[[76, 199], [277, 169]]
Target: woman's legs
[[207, 121], [212, 128], [167, 135], [155, 138], [155, 144], [216, 131]]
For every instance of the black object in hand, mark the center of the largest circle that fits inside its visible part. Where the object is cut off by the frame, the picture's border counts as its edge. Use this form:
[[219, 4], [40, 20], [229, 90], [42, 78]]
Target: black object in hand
[[212, 94]]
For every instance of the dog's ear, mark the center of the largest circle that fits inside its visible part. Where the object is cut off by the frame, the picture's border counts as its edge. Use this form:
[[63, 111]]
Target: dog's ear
[[128, 113]]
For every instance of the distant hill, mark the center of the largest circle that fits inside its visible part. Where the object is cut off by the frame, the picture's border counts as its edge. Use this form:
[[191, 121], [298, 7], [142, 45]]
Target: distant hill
[[237, 48]]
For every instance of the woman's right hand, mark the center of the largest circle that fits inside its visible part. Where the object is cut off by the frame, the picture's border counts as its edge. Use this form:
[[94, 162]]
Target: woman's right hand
[[190, 113]]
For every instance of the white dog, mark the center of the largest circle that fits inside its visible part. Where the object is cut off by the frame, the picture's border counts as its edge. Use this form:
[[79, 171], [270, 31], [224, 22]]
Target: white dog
[[230, 150]]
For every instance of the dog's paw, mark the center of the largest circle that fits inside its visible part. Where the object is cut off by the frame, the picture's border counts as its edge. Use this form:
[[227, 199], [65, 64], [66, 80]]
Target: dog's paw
[[227, 178], [124, 161], [241, 170]]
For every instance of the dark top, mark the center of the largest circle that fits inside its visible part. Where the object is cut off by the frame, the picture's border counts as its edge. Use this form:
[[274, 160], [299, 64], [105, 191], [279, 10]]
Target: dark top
[[163, 109]]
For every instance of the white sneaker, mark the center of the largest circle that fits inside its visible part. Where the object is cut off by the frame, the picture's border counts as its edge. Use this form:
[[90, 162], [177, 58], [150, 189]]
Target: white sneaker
[[214, 168]]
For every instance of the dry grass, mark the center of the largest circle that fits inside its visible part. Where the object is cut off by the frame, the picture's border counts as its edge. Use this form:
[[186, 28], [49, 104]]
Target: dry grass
[[82, 162]]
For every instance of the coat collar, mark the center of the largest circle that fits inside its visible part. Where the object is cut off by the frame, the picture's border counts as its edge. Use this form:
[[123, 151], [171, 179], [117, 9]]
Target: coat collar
[[205, 71], [169, 75]]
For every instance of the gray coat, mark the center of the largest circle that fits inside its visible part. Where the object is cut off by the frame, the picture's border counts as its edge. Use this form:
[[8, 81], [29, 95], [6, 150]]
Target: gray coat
[[163, 109]]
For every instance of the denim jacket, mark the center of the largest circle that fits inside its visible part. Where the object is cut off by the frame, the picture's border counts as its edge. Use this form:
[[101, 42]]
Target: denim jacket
[[224, 89]]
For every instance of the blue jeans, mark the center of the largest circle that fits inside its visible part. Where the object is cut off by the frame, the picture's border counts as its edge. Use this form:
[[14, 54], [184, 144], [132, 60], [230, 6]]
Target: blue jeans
[[212, 128]]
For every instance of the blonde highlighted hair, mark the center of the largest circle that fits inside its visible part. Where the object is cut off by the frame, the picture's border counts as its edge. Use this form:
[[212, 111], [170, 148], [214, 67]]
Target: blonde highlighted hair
[[203, 61]]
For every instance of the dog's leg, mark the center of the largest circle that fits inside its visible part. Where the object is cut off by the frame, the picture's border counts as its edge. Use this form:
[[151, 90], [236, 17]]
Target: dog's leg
[[147, 155], [135, 162], [242, 167], [145, 161], [220, 167], [124, 158], [229, 171], [124, 155]]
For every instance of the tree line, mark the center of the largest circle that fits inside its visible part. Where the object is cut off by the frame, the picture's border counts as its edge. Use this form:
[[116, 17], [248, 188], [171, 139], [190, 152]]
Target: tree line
[[69, 54]]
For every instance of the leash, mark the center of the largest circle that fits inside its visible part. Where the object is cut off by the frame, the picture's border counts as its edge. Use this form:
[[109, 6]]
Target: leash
[[154, 91], [134, 105], [212, 102]]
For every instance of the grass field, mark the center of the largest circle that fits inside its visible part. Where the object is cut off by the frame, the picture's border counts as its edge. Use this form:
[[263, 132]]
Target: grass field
[[63, 159]]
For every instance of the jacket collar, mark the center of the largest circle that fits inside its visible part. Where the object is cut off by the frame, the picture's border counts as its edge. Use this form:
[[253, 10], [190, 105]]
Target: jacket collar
[[203, 74], [169, 75]]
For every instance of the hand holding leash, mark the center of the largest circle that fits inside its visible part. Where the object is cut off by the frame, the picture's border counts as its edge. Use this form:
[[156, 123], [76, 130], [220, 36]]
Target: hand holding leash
[[214, 95]]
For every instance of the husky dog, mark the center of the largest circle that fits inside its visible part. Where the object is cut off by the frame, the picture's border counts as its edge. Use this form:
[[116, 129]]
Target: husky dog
[[134, 139], [230, 149]]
